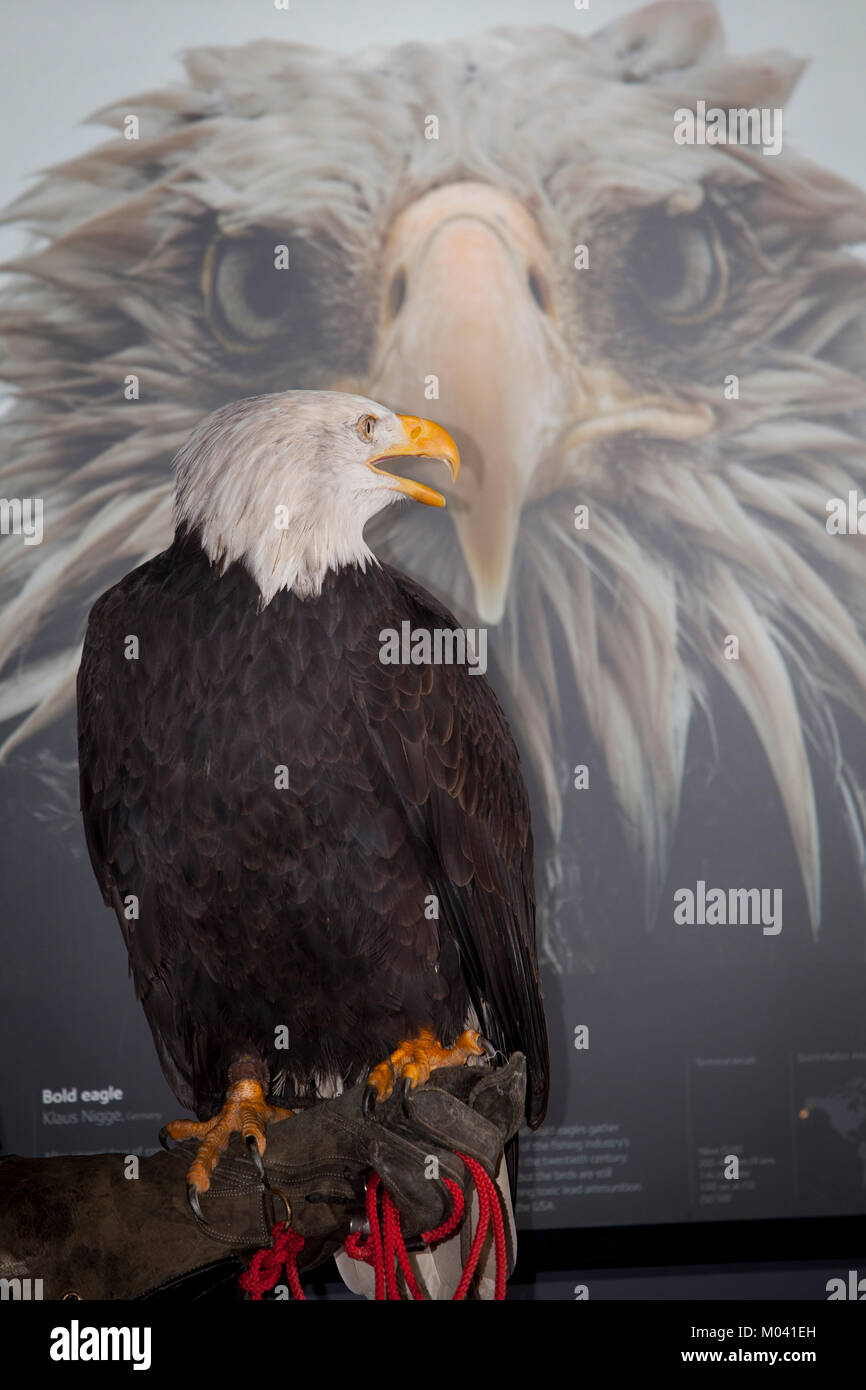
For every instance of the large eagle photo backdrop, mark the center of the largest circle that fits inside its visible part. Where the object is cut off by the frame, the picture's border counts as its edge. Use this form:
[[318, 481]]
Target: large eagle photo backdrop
[[652, 356]]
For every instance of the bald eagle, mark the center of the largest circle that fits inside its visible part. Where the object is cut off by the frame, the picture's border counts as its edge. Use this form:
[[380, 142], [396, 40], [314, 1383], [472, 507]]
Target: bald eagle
[[661, 341], [320, 857]]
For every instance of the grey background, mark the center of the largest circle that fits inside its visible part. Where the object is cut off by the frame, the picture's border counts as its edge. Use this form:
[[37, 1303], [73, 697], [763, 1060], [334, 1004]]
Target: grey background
[[696, 1045]]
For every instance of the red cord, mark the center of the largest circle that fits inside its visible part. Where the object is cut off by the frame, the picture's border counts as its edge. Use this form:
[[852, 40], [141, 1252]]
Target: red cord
[[450, 1224], [385, 1248], [489, 1207], [370, 1251], [266, 1265]]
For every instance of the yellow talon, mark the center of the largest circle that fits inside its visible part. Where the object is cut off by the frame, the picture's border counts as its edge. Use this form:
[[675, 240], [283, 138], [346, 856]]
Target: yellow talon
[[246, 1112], [416, 1058]]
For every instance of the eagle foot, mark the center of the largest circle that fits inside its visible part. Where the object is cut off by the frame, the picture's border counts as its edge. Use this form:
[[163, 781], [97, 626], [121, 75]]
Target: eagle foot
[[413, 1060], [246, 1112]]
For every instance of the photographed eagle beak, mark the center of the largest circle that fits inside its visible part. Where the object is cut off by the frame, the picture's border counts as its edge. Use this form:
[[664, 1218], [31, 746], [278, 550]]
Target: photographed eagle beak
[[475, 278], [424, 439]]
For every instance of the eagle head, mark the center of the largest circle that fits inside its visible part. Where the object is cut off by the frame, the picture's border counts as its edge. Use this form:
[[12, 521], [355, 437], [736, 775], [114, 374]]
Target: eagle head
[[285, 483]]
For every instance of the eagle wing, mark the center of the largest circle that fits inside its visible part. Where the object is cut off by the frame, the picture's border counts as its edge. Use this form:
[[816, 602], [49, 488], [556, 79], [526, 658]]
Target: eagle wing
[[128, 781], [446, 745]]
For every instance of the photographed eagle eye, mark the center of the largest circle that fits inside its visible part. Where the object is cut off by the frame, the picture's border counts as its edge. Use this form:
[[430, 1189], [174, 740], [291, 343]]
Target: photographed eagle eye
[[680, 268], [367, 426], [247, 298]]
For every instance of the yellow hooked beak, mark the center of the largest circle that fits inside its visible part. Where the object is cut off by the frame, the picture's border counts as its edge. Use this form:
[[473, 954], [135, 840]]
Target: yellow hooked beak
[[424, 439]]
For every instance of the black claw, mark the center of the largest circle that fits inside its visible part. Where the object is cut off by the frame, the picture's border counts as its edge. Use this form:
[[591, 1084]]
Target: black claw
[[368, 1104], [487, 1046], [192, 1198], [164, 1138], [405, 1092], [253, 1147]]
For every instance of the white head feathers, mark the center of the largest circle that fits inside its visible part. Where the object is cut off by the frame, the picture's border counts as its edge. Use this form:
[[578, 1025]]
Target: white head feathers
[[286, 483]]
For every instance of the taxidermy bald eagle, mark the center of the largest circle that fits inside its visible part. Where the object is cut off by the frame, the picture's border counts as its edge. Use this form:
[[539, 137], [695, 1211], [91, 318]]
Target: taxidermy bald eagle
[[420, 265], [280, 806]]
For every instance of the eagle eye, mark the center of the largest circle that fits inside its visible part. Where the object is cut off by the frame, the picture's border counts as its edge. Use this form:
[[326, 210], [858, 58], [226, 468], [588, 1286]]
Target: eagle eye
[[680, 268], [248, 299], [367, 426]]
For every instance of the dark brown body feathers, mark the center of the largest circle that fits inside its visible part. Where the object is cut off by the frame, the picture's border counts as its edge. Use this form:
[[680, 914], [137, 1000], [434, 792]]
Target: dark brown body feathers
[[306, 905]]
